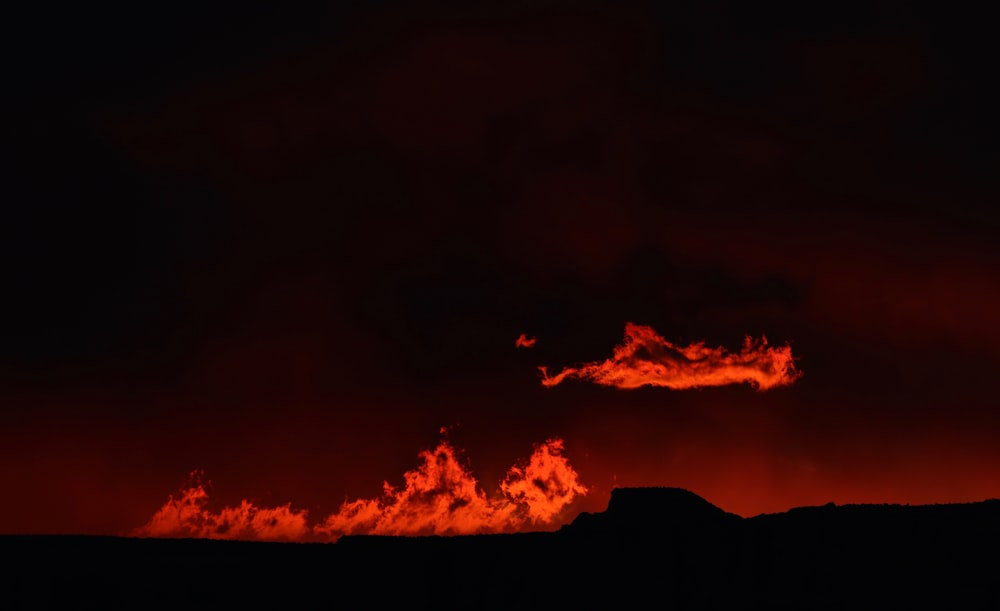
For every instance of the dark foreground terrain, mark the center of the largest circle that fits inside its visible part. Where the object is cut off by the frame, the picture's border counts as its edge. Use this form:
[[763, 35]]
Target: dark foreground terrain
[[652, 548]]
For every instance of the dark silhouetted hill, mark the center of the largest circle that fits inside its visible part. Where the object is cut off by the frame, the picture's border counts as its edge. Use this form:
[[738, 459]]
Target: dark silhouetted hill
[[652, 548]]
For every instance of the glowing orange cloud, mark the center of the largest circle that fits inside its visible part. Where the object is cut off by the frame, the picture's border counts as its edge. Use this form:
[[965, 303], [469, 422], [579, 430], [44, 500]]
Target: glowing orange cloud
[[439, 497], [646, 359], [187, 516], [525, 342], [544, 486]]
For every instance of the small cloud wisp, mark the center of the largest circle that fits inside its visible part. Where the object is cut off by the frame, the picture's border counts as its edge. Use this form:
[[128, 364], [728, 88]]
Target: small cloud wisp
[[525, 342]]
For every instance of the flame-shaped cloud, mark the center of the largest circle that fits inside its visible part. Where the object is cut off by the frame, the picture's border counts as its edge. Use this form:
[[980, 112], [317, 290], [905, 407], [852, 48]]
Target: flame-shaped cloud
[[544, 486], [439, 497], [523, 341], [187, 516], [646, 359]]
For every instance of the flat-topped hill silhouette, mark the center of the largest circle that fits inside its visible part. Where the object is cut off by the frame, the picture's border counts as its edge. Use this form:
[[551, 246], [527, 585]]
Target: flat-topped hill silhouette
[[644, 511], [665, 547]]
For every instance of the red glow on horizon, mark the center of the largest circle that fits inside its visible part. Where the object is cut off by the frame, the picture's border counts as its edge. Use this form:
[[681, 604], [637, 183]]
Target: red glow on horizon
[[646, 359], [440, 497], [523, 341]]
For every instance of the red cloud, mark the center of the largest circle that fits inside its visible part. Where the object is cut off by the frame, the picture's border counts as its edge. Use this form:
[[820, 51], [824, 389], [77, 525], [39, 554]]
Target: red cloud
[[525, 342], [440, 497], [646, 359]]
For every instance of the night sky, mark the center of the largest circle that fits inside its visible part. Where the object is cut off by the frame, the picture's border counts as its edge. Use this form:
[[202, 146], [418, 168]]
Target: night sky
[[288, 245]]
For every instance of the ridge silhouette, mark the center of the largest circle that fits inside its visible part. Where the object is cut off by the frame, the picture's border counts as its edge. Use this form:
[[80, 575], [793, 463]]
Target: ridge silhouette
[[663, 547]]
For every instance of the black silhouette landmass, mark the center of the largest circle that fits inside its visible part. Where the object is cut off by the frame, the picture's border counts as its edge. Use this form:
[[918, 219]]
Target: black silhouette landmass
[[652, 548]]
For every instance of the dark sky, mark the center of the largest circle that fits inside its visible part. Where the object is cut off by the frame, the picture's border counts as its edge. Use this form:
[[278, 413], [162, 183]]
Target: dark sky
[[287, 246]]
